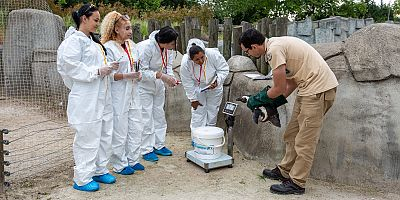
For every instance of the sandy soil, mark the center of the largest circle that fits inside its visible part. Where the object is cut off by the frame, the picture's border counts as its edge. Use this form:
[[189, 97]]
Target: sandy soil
[[170, 178]]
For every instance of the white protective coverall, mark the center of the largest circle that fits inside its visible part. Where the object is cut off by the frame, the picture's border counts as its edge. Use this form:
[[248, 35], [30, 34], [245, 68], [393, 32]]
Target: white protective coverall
[[89, 107], [122, 100], [214, 65], [152, 92]]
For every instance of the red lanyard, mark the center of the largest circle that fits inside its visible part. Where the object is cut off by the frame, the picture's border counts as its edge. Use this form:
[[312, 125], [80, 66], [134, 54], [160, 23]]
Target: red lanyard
[[164, 62], [197, 79], [127, 51], [201, 69]]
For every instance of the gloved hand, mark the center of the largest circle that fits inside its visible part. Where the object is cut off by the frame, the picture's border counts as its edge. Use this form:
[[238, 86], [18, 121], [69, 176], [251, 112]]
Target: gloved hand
[[169, 80], [262, 99], [267, 113], [114, 65], [213, 85], [132, 75], [104, 71], [195, 104]]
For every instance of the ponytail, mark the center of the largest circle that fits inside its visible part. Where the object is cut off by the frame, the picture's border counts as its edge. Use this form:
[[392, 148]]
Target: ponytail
[[76, 18], [95, 39]]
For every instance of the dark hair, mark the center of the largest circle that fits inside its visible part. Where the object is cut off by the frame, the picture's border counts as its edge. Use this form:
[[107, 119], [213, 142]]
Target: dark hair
[[194, 50], [251, 36], [166, 35], [87, 10]]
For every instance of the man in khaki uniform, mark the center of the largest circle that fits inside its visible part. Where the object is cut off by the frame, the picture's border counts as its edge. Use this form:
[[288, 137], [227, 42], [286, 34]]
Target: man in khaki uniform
[[295, 64]]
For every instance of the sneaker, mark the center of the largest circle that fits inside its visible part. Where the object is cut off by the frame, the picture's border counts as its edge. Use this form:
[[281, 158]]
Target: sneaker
[[274, 174], [287, 187], [105, 178], [89, 187], [163, 152], [152, 157], [138, 167], [127, 171]]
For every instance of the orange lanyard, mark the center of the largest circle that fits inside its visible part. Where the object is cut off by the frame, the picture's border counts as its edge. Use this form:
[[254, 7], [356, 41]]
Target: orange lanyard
[[103, 53], [164, 60]]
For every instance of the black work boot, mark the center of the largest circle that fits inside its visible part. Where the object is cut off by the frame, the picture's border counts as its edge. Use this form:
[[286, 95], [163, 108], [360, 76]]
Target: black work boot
[[286, 187], [274, 174]]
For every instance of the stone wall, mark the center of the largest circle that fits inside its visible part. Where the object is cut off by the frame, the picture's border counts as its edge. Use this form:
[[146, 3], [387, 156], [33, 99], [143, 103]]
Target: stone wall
[[334, 29]]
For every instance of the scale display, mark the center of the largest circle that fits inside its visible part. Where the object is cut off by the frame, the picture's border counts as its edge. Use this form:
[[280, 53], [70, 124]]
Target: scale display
[[230, 108]]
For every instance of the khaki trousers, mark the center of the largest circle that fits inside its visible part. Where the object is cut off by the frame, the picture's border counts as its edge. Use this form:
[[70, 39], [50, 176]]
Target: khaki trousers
[[302, 135]]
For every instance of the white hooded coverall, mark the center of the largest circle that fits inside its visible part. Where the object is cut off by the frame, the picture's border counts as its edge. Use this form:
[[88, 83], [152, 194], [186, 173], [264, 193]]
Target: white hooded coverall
[[89, 107], [152, 92], [124, 143], [214, 65]]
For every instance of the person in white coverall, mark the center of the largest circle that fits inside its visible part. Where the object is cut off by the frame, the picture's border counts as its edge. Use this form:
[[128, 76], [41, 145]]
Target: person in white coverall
[[82, 63], [203, 68], [156, 57], [116, 31]]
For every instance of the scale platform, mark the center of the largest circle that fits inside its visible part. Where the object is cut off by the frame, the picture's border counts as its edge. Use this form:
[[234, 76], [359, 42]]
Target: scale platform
[[207, 165]]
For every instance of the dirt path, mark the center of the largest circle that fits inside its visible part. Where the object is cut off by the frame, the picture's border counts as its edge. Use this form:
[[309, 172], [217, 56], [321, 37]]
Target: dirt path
[[170, 178], [174, 178]]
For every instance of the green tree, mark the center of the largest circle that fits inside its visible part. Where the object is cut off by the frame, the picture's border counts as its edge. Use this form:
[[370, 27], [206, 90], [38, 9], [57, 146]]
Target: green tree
[[179, 3]]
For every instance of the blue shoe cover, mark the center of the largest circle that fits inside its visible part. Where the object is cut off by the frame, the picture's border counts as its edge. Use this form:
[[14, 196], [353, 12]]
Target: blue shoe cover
[[150, 157], [105, 178], [138, 167], [89, 187], [163, 152], [127, 171]]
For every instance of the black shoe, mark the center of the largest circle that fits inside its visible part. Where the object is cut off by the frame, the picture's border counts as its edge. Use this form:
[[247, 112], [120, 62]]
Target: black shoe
[[287, 187], [274, 174]]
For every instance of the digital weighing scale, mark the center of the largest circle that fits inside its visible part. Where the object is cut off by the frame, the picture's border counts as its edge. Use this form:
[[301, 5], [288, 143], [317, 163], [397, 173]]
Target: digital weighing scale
[[224, 160]]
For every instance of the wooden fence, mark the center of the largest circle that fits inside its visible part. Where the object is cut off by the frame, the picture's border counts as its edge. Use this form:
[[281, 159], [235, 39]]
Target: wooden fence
[[191, 28]]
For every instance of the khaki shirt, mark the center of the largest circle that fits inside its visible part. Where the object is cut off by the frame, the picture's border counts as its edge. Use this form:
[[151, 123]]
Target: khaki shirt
[[303, 64]]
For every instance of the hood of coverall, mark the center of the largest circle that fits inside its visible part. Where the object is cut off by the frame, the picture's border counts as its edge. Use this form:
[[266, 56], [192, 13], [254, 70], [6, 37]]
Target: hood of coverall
[[198, 42], [152, 35], [72, 30]]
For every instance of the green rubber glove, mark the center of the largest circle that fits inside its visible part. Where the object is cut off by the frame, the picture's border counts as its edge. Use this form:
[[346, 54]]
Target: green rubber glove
[[262, 99]]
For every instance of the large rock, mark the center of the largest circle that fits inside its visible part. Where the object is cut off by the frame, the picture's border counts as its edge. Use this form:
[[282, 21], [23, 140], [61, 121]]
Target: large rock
[[241, 63], [177, 107], [373, 52], [27, 31], [329, 50], [47, 82]]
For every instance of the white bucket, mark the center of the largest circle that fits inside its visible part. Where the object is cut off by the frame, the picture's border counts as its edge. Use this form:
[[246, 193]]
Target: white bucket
[[208, 142]]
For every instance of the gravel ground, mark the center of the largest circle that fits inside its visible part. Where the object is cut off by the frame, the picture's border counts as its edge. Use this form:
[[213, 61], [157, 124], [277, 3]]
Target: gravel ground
[[170, 178]]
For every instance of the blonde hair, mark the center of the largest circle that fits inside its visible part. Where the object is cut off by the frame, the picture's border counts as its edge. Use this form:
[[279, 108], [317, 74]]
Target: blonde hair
[[107, 28]]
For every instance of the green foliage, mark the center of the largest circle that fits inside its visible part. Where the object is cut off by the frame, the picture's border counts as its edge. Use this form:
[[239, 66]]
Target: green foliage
[[204, 13], [253, 10]]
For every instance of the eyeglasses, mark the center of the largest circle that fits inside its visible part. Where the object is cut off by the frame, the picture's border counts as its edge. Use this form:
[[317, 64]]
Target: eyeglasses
[[124, 17], [247, 51]]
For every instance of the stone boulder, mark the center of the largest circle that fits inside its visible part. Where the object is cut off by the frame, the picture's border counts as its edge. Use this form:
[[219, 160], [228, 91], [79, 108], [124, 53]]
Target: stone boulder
[[373, 52], [28, 30]]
